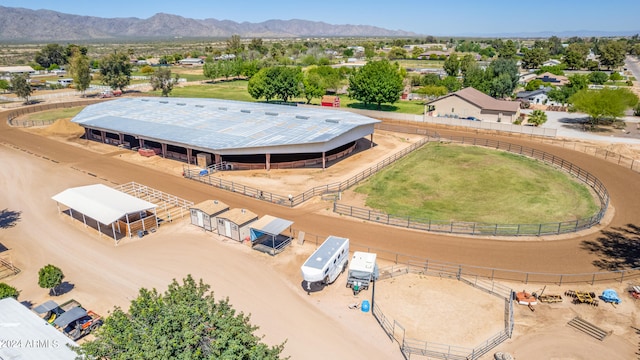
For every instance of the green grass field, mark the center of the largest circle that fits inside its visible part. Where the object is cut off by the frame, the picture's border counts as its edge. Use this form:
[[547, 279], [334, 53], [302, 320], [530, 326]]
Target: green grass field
[[55, 114], [450, 182], [237, 90]]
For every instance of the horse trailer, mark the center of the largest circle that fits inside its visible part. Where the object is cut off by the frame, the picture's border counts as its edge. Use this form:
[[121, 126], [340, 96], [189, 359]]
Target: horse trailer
[[327, 262]]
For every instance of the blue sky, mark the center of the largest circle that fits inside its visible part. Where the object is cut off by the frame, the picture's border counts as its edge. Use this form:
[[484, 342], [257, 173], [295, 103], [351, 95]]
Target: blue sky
[[444, 17]]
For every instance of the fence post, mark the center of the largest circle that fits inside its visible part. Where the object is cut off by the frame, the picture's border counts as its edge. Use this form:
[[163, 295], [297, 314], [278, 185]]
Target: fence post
[[561, 276]]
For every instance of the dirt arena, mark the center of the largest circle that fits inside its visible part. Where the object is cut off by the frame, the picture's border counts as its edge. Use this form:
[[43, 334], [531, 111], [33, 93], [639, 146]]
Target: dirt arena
[[316, 326]]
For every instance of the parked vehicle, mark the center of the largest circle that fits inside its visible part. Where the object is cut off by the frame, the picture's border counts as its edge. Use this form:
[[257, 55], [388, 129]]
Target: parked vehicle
[[110, 93], [50, 310], [472, 118], [327, 262], [70, 318], [78, 322], [362, 271]]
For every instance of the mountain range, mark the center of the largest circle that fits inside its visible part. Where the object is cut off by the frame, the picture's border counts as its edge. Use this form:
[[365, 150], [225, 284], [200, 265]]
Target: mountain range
[[19, 24]]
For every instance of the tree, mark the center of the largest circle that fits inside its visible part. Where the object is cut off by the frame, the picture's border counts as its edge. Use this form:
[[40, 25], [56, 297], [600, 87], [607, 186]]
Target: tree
[[375, 83], [603, 104], [257, 44], [433, 91], [537, 118], [507, 50], [115, 69], [397, 53], [534, 84], [598, 77], [555, 46], [612, 54], [502, 77], [467, 62], [8, 291], [4, 85], [278, 81], [576, 55], [162, 80], [80, 70], [147, 70], [475, 77], [312, 83], [21, 86], [615, 76], [451, 83], [532, 59], [50, 277], [561, 94], [578, 82], [234, 45], [185, 322], [51, 54], [452, 65]]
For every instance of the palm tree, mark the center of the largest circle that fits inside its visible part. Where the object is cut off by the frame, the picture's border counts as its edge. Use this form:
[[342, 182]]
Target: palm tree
[[537, 118]]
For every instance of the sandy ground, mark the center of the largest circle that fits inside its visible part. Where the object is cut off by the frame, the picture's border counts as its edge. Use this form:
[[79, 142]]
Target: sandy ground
[[319, 325]]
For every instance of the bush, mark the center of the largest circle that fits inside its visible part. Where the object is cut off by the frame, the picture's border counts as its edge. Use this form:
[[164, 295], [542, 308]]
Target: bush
[[615, 76], [636, 110], [8, 291]]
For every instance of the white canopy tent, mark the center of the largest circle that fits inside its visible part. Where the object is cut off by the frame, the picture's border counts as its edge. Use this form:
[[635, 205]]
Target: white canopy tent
[[103, 204]]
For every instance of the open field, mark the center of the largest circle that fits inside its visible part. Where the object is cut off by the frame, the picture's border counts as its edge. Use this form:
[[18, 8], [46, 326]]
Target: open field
[[458, 183], [54, 114]]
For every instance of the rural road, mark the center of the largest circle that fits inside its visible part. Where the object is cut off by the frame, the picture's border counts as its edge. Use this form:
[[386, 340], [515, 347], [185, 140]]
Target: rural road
[[538, 255]]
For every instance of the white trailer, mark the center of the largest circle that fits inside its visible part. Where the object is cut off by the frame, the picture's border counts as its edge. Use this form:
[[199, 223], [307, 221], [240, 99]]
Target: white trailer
[[327, 262], [362, 270]]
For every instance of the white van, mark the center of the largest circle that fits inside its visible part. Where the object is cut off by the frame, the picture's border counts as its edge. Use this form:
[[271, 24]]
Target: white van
[[327, 262]]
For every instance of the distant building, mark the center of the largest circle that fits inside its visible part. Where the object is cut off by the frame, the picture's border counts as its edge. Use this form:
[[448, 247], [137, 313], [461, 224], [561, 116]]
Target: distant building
[[538, 96], [553, 79], [7, 71], [471, 103], [191, 62], [552, 62]]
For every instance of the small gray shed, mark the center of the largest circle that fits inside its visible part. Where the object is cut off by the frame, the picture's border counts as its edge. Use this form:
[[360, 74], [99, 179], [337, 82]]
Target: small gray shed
[[235, 223], [204, 214]]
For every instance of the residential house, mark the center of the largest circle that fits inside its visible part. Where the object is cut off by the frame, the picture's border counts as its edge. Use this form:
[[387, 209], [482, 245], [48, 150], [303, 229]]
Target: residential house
[[471, 103], [552, 62], [557, 80], [537, 97]]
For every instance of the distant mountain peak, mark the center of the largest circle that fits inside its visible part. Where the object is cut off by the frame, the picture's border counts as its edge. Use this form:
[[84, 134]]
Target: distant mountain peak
[[48, 25]]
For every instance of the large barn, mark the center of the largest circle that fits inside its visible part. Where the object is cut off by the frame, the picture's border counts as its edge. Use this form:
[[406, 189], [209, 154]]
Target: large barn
[[234, 133]]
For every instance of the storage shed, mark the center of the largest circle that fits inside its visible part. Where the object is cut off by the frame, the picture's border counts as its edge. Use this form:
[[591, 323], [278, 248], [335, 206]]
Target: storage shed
[[235, 223], [204, 214], [330, 101]]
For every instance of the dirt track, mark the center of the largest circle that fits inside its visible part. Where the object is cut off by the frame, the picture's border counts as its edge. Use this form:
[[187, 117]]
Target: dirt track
[[558, 256]]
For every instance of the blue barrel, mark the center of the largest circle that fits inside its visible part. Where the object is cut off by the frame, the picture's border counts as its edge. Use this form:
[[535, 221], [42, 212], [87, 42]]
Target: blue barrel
[[365, 306]]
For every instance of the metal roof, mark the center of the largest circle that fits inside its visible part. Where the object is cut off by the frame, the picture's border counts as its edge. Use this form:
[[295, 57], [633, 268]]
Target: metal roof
[[28, 337], [319, 258], [101, 202], [211, 207], [270, 225], [70, 316], [46, 307], [220, 125]]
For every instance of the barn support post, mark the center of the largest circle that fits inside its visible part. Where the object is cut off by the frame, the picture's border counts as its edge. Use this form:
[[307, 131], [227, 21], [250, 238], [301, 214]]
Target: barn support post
[[268, 161], [84, 220], [121, 138], [371, 140], [189, 154], [164, 150], [141, 143], [217, 159], [103, 136], [113, 229], [128, 225], [87, 134], [324, 160], [99, 230]]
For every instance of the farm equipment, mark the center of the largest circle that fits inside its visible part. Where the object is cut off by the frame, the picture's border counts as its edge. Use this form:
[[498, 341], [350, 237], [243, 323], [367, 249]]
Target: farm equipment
[[550, 298], [634, 291], [610, 296], [580, 297]]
